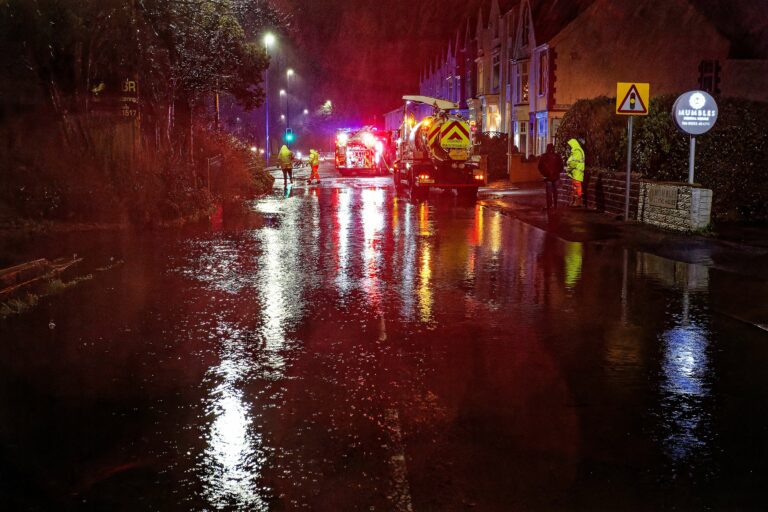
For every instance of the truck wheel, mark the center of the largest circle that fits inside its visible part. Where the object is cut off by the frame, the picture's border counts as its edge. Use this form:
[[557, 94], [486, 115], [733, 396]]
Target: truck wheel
[[396, 180]]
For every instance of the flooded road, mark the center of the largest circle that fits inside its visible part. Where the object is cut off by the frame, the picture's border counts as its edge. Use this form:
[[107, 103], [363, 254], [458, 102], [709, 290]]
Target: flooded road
[[342, 348]]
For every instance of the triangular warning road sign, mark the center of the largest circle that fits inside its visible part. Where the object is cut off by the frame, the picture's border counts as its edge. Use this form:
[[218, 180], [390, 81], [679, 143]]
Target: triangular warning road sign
[[632, 103]]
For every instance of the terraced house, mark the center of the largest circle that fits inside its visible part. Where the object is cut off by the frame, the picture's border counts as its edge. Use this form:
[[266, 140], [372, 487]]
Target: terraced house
[[523, 63]]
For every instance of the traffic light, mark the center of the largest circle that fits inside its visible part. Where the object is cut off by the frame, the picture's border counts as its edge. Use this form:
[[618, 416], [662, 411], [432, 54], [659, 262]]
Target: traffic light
[[289, 136]]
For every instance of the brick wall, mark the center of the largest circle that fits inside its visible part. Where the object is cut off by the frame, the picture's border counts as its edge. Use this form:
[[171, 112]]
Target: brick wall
[[521, 171], [604, 192]]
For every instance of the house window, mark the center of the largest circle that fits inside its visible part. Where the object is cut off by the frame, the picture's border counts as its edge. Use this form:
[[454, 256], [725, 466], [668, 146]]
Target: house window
[[521, 94], [543, 73], [496, 73], [541, 135], [709, 76], [493, 119], [480, 82]]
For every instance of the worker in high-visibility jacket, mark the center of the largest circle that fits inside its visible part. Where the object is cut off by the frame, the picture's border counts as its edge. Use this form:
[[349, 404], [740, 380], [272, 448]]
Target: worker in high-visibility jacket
[[285, 159], [574, 168], [314, 164]]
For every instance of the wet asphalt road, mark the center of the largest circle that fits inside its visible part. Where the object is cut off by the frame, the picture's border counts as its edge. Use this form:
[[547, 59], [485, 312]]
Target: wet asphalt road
[[341, 348]]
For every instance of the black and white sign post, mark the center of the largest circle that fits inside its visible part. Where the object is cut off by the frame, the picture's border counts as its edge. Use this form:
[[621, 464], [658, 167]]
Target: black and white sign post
[[695, 113]]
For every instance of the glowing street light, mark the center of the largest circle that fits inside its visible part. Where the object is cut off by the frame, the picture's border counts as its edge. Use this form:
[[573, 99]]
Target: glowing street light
[[306, 111], [282, 92], [269, 40]]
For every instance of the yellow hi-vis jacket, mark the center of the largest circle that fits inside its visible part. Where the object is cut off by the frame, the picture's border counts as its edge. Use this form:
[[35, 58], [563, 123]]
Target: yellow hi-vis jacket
[[574, 167], [285, 157], [314, 157]]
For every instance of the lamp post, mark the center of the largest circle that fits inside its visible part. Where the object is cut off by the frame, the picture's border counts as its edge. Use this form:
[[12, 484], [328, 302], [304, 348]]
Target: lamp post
[[288, 75], [269, 40]]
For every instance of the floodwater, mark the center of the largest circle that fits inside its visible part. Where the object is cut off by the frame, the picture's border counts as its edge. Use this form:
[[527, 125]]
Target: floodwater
[[343, 348]]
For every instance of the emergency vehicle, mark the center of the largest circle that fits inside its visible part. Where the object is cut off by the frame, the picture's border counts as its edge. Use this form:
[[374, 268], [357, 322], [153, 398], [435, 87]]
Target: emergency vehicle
[[359, 151]]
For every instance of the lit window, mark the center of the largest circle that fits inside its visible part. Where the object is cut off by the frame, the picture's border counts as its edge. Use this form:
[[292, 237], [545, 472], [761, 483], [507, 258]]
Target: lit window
[[522, 82]]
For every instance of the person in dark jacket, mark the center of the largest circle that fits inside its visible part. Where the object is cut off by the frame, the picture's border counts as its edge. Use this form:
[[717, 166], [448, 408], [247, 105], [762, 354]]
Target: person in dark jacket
[[550, 166]]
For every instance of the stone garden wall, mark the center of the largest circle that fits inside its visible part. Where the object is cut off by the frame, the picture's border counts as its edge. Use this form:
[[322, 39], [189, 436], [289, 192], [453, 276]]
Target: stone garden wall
[[675, 206]]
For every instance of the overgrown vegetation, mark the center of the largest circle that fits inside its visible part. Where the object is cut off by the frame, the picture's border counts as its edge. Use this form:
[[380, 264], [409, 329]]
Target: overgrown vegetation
[[730, 159], [104, 106], [495, 147]]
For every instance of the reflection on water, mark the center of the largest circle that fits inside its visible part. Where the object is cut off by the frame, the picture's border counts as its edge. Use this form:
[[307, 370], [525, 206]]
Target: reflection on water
[[425, 284], [373, 224], [685, 391], [495, 232], [573, 263], [686, 388], [686, 372], [343, 220], [233, 460], [234, 456]]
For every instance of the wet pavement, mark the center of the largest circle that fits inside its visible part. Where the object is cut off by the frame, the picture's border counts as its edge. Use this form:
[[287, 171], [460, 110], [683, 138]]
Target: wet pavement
[[344, 348]]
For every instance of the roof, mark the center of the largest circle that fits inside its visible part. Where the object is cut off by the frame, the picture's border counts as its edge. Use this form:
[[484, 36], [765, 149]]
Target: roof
[[552, 16], [743, 22]]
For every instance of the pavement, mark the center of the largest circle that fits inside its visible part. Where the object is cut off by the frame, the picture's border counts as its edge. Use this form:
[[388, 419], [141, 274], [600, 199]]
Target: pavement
[[735, 248]]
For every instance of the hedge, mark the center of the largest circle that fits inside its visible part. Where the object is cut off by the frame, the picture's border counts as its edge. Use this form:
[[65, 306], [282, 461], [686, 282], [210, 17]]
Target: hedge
[[495, 146], [730, 159]]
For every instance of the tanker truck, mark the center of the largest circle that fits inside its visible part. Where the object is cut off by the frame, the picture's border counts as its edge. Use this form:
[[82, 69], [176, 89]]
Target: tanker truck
[[436, 152]]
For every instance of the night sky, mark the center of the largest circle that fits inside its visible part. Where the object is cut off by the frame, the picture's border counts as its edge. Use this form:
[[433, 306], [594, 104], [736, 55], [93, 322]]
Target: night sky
[[367, 53]]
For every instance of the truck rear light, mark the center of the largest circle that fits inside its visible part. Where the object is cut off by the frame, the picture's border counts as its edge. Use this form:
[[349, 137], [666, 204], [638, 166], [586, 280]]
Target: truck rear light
[[425, 178]]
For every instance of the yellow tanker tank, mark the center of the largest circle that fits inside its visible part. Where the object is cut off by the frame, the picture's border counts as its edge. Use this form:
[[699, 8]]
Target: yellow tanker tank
[[444, 137]]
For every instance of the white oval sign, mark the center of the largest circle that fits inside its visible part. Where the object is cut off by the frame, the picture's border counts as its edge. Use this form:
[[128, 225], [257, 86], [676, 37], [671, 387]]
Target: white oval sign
[[695, 112]]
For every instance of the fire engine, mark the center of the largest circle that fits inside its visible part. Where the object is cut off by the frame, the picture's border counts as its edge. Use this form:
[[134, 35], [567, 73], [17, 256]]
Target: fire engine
[[436, 152], [359, 151]]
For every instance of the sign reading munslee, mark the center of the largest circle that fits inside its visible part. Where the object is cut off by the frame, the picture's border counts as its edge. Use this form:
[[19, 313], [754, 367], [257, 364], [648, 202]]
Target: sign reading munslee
[[695, 112]]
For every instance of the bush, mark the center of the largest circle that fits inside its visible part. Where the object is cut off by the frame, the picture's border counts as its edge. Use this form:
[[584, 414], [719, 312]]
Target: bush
[[730, 159], [100, 177], [495, 146], [604, 133]]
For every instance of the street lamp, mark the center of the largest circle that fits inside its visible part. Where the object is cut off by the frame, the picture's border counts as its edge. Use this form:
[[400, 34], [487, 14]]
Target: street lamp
[[306, 111], [269, 40], [288, 75]]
